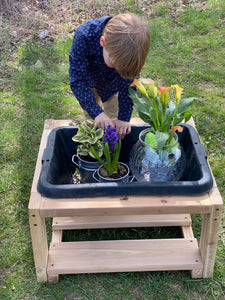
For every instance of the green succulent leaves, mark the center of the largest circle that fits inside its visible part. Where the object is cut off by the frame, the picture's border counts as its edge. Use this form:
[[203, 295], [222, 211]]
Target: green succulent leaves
[[89, 135]]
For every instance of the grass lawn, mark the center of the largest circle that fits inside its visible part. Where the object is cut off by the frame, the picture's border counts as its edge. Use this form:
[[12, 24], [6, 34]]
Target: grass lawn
[[187, 48]]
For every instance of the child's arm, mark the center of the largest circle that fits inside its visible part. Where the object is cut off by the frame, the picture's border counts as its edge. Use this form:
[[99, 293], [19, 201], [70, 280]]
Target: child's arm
[[78, 73]]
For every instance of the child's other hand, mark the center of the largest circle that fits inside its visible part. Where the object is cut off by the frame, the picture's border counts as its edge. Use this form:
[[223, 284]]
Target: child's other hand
[[122, 128], [103, 121]]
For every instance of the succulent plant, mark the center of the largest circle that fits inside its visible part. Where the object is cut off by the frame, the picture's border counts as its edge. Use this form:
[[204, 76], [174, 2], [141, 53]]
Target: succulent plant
[[89, 135]]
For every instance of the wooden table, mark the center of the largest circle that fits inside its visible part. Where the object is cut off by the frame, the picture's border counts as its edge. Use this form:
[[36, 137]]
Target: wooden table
[[115, 211]]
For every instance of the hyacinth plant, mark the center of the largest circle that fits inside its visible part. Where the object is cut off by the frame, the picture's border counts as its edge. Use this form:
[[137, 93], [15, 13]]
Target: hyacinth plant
[[111, 149], [162, 112]]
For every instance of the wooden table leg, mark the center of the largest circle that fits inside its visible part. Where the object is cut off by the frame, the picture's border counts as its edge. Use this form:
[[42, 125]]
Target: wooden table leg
[[39, 242], [37, 223], [56, 239], [210, 232]]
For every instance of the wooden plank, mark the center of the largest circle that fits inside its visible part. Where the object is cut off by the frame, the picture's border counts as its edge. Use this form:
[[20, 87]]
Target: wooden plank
[[86, 222], [209, 239], [116, 205], [210, 232], [124, 256], [39, 243], [134, 121], [37, 222], [71, 122], [56, 238], [48, 126], [215, 195], [59, 123], [187, 232], [191, 122]]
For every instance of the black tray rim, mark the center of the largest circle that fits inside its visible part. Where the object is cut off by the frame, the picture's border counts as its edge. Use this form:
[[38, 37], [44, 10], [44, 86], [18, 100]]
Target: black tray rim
[[197, 187]]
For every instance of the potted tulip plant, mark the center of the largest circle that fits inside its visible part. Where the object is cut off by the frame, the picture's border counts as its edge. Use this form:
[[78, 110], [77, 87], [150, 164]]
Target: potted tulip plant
[[157, 156], [111, 169]]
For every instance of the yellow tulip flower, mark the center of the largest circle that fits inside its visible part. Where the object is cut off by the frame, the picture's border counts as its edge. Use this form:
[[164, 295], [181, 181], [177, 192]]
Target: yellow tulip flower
[[138, 84], [179, 91]]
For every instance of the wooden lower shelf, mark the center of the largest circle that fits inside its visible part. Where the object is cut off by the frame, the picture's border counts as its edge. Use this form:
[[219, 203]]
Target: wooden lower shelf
[[85, 222], [123, 256]]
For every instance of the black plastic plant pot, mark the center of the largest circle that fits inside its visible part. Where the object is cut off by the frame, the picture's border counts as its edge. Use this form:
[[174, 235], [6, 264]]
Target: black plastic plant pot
[[56, 181]]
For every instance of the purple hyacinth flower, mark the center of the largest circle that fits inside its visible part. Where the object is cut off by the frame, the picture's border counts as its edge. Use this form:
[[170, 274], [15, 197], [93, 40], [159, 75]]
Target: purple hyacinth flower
[[111, 138]]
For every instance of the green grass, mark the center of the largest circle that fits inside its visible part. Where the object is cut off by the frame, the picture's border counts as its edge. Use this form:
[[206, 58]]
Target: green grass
[[187, 49]]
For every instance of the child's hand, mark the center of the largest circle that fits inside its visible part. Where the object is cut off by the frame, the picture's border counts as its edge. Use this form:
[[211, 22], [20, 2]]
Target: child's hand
[[103, 121], [122, 128]]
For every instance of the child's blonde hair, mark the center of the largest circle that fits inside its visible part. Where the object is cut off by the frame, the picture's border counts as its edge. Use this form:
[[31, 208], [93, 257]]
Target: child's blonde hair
[[127, 41]]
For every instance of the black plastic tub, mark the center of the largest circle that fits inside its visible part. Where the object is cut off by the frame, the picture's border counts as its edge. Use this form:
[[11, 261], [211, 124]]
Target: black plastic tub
[[56, 181]]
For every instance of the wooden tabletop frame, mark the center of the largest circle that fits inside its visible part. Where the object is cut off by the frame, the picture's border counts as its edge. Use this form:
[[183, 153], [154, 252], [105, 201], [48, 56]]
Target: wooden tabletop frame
[[115, 211]]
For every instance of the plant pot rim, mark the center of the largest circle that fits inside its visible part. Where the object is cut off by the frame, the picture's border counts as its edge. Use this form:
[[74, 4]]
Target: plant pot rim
[[114, 179], [81, 157], [149, 129]]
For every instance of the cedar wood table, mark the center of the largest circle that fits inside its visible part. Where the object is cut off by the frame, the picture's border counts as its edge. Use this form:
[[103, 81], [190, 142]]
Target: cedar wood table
[[121, 211]]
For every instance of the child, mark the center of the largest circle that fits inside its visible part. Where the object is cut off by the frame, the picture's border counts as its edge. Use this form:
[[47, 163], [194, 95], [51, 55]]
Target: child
[[106, 55]]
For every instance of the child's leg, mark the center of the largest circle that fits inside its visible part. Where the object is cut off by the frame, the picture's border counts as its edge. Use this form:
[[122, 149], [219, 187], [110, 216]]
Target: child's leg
[[110, 107]]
